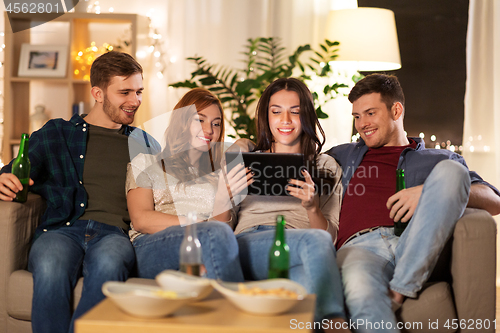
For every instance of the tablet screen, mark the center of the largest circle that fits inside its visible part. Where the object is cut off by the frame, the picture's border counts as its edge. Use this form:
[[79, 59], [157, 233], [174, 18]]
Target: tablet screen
[[271, 170]]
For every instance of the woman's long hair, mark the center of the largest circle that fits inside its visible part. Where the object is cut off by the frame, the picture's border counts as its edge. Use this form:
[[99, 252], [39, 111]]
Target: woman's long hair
[[310, 143], [178, 137]]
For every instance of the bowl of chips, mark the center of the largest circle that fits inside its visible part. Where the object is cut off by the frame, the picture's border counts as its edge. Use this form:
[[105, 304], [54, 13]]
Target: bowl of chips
[[182, 282], [266, 297], [144, 300]]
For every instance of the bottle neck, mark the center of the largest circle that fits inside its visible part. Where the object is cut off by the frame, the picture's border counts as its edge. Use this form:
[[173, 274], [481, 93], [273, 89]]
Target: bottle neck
[[24, 146], [400, 180], [190, 231], [280, 229]]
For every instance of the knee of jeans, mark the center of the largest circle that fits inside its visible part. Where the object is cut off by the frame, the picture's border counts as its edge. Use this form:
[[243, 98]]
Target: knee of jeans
[[360, 285], [49, 269], [453, 171], [216, 232], [320, 239], [113, 263]]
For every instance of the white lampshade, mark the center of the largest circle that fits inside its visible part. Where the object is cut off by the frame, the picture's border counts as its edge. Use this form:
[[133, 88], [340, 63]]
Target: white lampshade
[[367, 37]]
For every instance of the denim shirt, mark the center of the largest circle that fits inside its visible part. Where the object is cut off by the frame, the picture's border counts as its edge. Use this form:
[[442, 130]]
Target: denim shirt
[[417, 163], [57, 155]]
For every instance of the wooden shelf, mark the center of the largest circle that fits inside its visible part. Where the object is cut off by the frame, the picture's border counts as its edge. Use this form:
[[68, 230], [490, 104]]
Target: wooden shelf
[[45, 79]]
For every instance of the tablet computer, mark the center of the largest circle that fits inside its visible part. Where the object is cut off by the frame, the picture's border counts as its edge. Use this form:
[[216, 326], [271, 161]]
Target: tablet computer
[[271, 170]]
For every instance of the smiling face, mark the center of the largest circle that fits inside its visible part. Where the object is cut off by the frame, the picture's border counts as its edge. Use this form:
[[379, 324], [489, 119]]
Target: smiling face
[[377, 125], [122, 98], [205, 128], [284, 121]]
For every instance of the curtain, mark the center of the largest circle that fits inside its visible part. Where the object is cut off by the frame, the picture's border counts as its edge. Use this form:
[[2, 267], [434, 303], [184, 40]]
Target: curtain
[[482, 97]]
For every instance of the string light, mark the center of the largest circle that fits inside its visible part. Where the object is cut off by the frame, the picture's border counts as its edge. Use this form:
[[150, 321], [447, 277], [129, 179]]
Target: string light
[[85, 58], [156, 48]]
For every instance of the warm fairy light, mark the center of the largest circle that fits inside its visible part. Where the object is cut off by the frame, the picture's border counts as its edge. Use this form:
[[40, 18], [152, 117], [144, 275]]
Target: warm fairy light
[[156, 47], [85, 58], [433, 138], [421, 135]]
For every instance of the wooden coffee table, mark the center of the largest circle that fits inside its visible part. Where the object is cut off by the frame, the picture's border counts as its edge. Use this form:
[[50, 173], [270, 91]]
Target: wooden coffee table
[[213, 315]]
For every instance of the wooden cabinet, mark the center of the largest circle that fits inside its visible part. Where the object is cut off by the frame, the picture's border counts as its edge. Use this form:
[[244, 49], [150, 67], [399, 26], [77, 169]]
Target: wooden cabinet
[[77, 31]]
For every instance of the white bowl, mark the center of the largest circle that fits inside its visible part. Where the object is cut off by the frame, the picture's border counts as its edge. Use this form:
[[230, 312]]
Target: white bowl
[[184, 283], [144, 301], [265, 304]]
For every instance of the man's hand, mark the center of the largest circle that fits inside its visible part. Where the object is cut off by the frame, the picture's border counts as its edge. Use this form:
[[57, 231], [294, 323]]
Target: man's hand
[[403, 203], [9, 186]]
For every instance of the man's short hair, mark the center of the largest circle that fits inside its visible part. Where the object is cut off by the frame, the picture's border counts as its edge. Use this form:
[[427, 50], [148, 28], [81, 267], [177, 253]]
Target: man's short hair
[[386, 85], [112, 64]]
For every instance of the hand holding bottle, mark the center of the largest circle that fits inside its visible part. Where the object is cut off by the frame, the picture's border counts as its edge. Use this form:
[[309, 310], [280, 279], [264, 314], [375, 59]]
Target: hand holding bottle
[[18, 182], [10, 185]]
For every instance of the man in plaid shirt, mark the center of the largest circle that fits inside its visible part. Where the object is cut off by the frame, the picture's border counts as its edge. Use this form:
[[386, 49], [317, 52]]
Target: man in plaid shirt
[[79, 167]]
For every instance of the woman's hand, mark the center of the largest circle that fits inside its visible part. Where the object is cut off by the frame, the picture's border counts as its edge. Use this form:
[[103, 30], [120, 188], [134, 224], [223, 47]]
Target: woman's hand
[[306, 191], [236, 180], [230, 185]]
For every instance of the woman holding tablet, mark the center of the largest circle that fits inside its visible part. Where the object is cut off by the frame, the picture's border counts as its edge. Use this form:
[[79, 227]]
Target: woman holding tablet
[[162, 190], [287, 123]]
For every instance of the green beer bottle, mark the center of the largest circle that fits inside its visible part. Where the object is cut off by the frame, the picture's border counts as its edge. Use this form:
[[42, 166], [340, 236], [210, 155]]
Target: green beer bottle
[[278, 255], [21, 168], [399, 226]]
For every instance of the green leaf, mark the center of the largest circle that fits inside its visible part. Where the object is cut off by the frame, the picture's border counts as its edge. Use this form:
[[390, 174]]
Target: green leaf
[[320, 113], [185, 84], [245, 86], [208, 81]]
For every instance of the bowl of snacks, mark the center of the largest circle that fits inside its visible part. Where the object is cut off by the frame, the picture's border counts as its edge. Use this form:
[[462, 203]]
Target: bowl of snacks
[[145, 301], [184, 283], [266, 297]]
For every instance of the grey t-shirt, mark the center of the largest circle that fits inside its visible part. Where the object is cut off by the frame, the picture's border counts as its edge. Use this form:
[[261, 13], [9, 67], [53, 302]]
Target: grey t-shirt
[[104, 175]]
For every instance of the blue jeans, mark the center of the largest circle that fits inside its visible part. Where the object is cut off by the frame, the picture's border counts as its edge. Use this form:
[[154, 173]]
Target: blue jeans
[[58, 258], [312, 264], [374, 262], [159, 251]]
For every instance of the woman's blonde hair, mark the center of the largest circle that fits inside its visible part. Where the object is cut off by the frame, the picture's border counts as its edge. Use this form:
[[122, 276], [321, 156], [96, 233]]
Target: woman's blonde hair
[[178, 137]]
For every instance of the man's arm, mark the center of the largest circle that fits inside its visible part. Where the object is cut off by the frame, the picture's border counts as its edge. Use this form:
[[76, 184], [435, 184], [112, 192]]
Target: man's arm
[[482, 196]]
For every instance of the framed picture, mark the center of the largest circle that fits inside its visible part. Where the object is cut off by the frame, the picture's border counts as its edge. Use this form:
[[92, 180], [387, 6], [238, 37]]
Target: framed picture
[[43, 60]]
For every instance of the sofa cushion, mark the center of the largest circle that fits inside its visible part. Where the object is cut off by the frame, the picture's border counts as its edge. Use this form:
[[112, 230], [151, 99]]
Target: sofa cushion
[[20, 294], [434, 303]]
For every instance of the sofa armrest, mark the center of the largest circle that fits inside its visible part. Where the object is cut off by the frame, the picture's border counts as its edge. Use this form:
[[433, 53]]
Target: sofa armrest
[[17, 226], [18, 222], [473, 268]]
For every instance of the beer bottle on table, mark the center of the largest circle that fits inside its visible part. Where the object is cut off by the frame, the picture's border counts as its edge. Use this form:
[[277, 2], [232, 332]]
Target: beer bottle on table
[[278, 255], [399, 226], [21, 168], [190, 252]]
